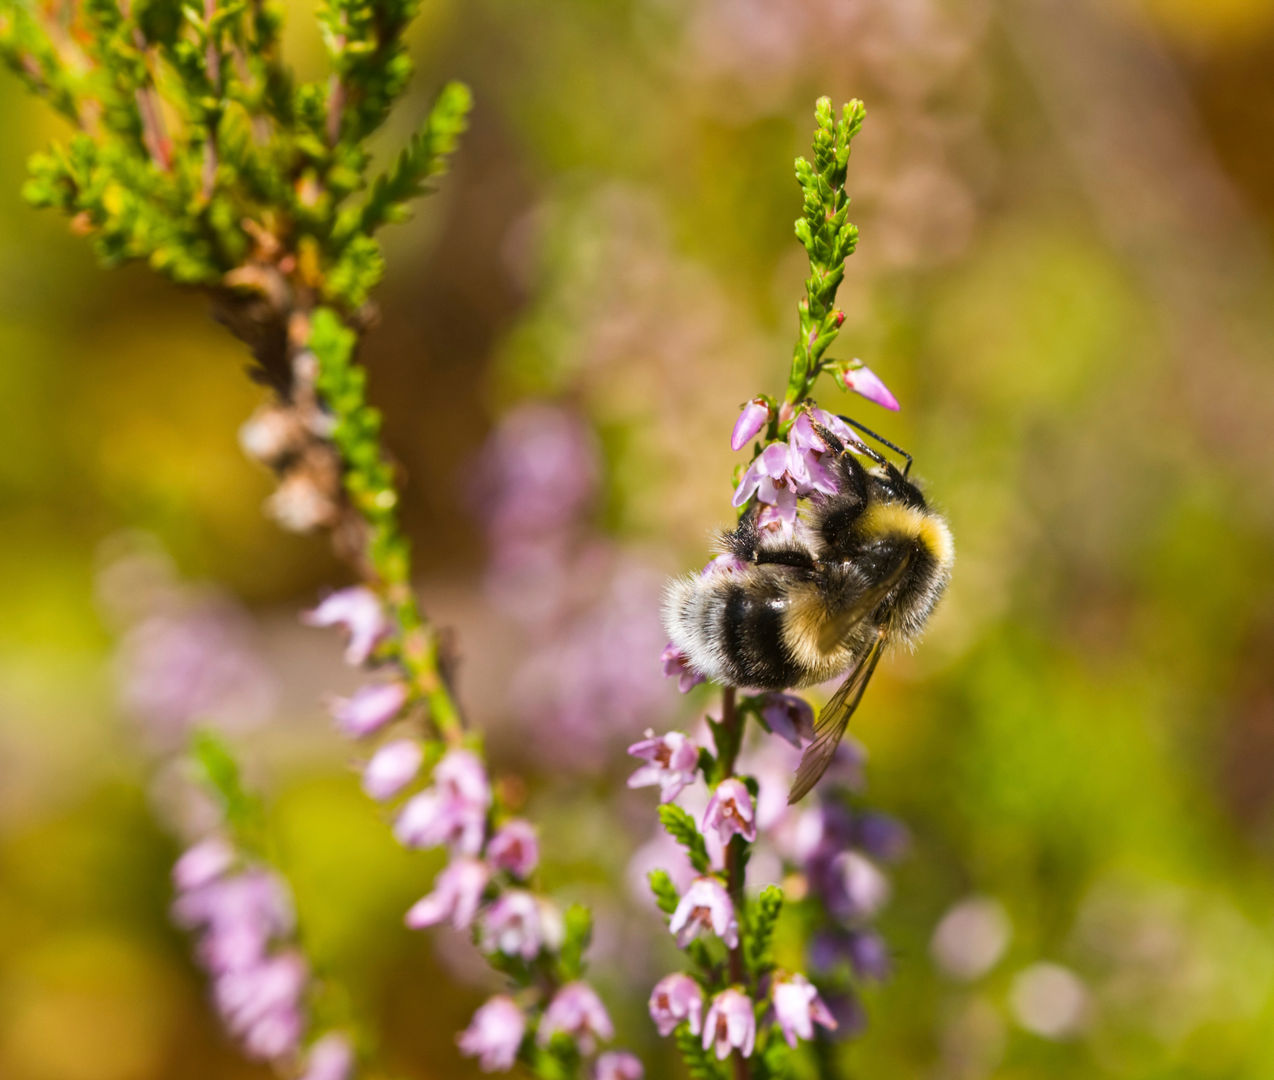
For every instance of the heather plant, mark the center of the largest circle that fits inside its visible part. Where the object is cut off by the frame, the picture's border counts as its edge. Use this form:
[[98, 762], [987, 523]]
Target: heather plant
[[196, 149]]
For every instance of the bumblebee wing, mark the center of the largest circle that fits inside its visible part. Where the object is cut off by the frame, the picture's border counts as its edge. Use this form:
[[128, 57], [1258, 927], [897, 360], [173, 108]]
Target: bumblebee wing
[[837, 629], [832, 722]]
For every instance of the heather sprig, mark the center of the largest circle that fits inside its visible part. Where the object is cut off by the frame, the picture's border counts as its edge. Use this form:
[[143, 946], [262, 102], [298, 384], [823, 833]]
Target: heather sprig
[[739, 1002], [198, 151]]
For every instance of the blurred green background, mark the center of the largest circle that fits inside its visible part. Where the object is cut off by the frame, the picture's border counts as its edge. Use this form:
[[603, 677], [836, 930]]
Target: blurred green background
[[1064, 274]]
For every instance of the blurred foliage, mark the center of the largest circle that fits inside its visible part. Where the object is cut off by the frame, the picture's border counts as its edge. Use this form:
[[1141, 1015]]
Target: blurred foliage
[[1064, 276]]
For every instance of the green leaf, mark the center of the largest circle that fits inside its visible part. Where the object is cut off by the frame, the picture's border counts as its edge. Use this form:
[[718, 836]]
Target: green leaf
[[681, 827], [665, 891], [700, 1064], [764, 917], [579, 932], [424, 157]]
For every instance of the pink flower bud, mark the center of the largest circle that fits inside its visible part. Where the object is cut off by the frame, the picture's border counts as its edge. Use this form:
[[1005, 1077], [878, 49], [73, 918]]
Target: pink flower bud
[[754, 417], [392, 768], [862, 380]]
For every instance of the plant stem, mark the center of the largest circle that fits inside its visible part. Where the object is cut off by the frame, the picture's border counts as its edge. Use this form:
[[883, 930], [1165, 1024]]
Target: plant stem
[[732, 723]]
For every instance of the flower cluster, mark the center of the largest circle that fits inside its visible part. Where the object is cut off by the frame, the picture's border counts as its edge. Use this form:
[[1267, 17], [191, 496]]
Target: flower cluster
[[485, 887], [242, 913], [714, 1011]]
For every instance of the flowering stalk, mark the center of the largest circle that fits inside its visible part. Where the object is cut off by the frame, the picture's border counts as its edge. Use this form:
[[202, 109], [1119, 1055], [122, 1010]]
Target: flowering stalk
[[757, 1012], [259, 192], [240, 909]]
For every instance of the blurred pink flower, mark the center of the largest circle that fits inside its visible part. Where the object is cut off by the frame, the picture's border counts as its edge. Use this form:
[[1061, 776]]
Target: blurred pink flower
[[392, 768], [514, 848], [369, 708], [578, 1011], [494, 1034], [360, 613], [618, 1066], [676, 998], [203, 863], [797, 1007], [433, 817], [515, 925], [456, 895], [330, 1058]]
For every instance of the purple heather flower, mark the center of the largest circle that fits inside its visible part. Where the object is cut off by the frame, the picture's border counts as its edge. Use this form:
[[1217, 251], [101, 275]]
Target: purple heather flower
[[578, 1011], [275, 1035], [453, 811], [250, 995], [456, 895], [239, 915], [514, 848], [494, 1034], [369, 708], [516, 925], [462, 775], [730, 1023], [618, 1066], [360, 613], [331, 1058], [705, 906], [768, 478], [805, 458], [869, 955], [730, 811], [676, 663], [203, 863], [725, 563], [676, 998], [673, 760], [755, 415], [880, 836], [856, 888], [797, 1007], [789, 717], [862, 380], [392, 768], [433, 817]]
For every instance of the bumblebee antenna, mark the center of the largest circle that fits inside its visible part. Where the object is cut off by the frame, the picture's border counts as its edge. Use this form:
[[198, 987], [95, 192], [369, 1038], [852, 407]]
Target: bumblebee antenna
[[883, 441]]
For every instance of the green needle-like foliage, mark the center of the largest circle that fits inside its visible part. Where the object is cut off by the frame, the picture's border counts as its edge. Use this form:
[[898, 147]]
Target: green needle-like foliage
[[198, 152]]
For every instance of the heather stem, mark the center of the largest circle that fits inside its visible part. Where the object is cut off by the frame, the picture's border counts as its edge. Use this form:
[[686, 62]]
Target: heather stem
[[732, 724]]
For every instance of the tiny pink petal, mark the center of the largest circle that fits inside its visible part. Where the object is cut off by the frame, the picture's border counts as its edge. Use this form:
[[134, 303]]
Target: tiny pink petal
[[494, 1034], [514, 848], [369, 708], [360, 613]]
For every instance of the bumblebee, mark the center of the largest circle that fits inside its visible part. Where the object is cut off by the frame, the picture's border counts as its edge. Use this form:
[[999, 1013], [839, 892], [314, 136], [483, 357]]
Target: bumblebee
[[862, 570]]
